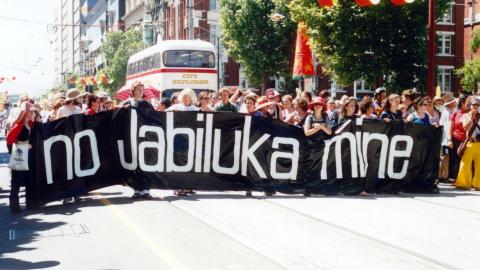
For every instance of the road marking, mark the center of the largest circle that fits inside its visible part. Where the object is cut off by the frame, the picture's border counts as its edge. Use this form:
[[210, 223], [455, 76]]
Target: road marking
[[161, 252], [364, 236]]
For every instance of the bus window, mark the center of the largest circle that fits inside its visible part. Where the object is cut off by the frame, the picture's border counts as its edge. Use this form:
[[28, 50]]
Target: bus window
[[156, 60], [150, 62], [185, 58]]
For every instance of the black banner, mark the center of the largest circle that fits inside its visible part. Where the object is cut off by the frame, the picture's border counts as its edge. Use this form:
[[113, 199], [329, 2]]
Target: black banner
[[229, 151]]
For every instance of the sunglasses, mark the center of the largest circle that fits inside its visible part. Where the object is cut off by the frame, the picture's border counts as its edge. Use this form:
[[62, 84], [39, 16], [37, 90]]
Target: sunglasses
[[206, 98]]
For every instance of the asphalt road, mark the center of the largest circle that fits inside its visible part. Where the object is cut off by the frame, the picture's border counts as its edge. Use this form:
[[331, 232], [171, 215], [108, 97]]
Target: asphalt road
[[229, 231]]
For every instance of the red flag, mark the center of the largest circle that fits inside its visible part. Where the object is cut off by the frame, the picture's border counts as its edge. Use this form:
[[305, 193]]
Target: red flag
[[303, 65], [367, 3], [401, 2]]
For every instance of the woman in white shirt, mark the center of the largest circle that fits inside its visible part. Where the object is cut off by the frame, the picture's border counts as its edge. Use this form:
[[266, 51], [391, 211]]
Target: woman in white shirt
[[70, 107]]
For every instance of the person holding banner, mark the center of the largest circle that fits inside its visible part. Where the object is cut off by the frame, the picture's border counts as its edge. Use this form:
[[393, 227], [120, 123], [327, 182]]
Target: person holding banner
[[390, 109], [141, 185], [420, 116], [316, 122], [349, 110], [457, 135], [471, 155], [21, 158]]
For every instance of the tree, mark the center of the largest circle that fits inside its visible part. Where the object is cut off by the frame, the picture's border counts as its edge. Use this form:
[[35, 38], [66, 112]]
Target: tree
[[117, 48], [470, 76], [354, 42], [261, 45], [475, 41]]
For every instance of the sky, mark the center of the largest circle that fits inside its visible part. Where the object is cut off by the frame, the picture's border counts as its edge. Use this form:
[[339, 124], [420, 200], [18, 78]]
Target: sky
[[27, 49]]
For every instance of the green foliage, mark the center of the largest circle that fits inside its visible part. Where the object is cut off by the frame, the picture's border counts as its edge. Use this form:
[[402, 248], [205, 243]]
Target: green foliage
[[470, 76], [475, 41], [262, 46], [117, 48], [397, 37]]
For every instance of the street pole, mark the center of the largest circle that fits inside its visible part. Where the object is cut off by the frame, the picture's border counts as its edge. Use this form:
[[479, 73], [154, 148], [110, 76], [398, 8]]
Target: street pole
[[190, 19], [431, 48], [218, 62]]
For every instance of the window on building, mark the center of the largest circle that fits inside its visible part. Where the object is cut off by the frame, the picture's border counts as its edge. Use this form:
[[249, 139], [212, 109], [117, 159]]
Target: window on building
[[213, 4], [448, 15], [444, 79], [444, 44], [361, 85]]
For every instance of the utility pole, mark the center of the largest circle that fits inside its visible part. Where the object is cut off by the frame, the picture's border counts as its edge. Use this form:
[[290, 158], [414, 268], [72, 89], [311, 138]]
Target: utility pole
[[431, 48], [190, 19]]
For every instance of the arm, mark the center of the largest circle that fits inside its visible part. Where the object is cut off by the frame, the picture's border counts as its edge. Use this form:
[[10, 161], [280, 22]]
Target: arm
[[14, 132]]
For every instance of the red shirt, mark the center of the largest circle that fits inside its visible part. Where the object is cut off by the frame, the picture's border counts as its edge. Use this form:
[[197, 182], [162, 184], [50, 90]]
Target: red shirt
[[90, 111], [456, 127], [15, 131]]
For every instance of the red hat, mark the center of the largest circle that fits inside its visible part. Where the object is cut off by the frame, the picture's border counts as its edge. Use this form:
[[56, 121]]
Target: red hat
[[316, 101], [263, 103]]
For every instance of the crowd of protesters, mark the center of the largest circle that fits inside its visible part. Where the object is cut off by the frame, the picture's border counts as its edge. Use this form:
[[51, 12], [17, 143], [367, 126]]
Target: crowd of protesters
[[316, 114]]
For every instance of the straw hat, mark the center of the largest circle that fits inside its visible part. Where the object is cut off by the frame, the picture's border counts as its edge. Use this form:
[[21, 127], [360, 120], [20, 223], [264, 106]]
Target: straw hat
[[448, 99], [72, 94], [135, 84], [263, 103]]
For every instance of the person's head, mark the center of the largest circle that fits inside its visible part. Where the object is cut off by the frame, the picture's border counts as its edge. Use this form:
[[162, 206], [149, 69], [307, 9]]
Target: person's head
[[29, 110], [287, 101], [301, 105], [174, 98], [213, 98], [473, 104], [72, 96], [449, 101], [324, 94], [331, 104], [349, 107], [204, 99], [224, 95], [429, 102], [437, 102], [462, 102], [276, 96], [307, 95], [250, 103], [392, 103], [420, 104], [380, 94], [366, 107], [108, 104], [165, 103], [403, 108], [317, 105], [137, 90], [408, 96], [187, 97], [93, 102]]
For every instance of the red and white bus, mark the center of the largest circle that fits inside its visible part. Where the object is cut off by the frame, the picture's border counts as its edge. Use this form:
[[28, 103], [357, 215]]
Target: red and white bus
[[173, 65]]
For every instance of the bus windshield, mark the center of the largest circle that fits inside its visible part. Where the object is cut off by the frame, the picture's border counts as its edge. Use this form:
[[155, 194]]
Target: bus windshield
[[186, 58], [167, 93]]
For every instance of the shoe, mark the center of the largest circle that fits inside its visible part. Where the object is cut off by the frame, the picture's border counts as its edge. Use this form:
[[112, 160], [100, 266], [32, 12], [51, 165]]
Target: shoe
[[179, 192], [435, 191], [189, 191], [248, 193], [67, 200], [270, 193], [307, 194], [78, 199], [136, 196], [147, 196], [364, 193]]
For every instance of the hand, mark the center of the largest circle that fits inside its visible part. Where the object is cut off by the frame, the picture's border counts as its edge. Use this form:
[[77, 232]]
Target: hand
[[386, 120], [450, 145], [316, 125]]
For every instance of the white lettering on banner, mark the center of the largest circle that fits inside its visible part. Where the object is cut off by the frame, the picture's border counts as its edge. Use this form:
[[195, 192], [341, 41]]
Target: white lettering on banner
[[158, 145], [292, 174], [78, 153], [47, 146], [70, 158], [394, 153], [367, 137], [216, 153], [386, 160], [171, 133], [133, 144], [248, 153]]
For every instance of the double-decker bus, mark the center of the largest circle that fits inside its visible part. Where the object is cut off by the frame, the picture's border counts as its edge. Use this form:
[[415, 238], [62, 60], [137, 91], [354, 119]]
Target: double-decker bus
[[173, 65]]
